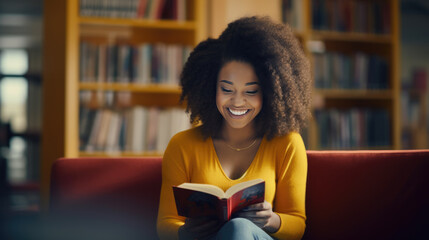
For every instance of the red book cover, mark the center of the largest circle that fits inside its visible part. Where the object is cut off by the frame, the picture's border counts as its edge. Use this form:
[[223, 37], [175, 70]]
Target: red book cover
[[200, 200], [141, 9]]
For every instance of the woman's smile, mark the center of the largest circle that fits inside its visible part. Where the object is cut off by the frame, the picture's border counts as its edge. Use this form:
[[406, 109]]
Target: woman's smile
[[238, 113]]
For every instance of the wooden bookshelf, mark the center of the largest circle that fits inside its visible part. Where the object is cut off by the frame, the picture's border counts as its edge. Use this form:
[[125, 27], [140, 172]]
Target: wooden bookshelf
[[131, 87], [141, 23], [350, 37], [348, 42], [64, 30]]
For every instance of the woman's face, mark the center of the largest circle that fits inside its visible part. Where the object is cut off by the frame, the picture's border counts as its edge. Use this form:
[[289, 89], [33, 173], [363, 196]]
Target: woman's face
[[238, 95]]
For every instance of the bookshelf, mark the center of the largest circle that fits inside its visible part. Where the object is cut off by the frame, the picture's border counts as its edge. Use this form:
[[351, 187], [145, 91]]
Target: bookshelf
[[67, 26], [347, 97]]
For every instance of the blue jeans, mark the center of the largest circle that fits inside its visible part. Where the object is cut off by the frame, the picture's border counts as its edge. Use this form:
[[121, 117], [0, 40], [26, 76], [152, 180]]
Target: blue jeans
[[241, 229]]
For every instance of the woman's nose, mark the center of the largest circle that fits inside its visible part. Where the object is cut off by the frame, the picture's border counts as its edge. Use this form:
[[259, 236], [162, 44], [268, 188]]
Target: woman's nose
[[238, 100]]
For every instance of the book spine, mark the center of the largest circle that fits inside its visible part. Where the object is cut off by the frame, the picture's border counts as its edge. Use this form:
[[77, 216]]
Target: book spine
[[224, 210]]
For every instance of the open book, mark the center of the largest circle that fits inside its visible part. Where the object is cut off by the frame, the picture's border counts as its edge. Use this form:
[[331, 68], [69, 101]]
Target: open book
[[197, 200]]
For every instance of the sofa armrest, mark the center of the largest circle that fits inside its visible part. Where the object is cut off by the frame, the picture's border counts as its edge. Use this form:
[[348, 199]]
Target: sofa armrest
[[117, 195]]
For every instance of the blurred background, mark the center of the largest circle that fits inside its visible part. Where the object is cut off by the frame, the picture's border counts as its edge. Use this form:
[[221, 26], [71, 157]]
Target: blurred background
[[370, 63]]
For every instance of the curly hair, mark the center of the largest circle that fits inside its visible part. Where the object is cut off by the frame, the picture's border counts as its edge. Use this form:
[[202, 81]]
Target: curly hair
[[279, 62]]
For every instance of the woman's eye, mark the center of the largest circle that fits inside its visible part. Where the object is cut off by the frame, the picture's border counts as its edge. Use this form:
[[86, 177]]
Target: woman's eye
[[225, 90], [252, 92]]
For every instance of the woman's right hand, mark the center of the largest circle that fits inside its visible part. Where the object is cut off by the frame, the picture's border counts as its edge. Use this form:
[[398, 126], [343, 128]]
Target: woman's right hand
[[198, 228]]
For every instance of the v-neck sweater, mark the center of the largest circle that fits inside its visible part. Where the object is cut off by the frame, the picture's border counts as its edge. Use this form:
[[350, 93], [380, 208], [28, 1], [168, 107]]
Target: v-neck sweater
[[281, 162]]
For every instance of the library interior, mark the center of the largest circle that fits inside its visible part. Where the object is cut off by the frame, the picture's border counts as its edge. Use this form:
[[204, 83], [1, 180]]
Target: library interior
[[88, 78]]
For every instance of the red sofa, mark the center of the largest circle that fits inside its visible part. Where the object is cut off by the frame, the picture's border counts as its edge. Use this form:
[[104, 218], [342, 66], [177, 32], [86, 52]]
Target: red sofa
[[350, 195]]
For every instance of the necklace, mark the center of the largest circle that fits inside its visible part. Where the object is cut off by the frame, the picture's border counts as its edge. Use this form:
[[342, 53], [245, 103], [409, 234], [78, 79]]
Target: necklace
[[241, 149]]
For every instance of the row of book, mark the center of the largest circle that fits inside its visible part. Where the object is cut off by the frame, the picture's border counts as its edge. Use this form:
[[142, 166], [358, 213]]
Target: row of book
[[351, 16], [146, 63], [356, 71], [137, 129], [136, 9], [353, 128], [105, 99]]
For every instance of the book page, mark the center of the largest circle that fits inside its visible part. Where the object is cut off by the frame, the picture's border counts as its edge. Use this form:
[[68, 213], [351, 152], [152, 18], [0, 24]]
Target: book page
[[241, 186], [207, 188]]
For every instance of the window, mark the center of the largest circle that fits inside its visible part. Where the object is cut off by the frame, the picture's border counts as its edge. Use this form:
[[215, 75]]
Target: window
[[13, 103]]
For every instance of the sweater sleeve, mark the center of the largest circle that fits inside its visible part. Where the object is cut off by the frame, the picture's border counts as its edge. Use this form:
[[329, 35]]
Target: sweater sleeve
[[289, 202], [173, 173]]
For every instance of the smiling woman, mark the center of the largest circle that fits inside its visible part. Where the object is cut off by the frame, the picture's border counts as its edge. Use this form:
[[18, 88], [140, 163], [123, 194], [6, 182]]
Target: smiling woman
[[249, 89]]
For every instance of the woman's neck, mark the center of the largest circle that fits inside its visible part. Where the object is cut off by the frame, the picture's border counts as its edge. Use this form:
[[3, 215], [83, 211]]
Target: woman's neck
[[238, 136]]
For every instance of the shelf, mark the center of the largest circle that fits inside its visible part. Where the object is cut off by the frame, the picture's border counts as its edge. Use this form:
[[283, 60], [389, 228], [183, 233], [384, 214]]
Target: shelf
[[29, 76], [350, 36], [132, 87], [298, 33], [140, 23], [35, 136], [354, 94], [120, 154]]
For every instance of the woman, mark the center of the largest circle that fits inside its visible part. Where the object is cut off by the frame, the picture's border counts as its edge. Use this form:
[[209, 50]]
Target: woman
[[250, 91]]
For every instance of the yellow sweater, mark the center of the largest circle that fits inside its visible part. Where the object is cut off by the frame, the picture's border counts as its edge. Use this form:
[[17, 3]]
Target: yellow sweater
[[281, 162]]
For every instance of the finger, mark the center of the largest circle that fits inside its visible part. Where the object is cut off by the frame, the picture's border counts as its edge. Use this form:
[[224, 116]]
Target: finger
[[253, 207], [258, 206]]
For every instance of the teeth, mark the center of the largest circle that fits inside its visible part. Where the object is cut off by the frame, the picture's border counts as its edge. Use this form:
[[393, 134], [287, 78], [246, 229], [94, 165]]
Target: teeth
[[238, 112]]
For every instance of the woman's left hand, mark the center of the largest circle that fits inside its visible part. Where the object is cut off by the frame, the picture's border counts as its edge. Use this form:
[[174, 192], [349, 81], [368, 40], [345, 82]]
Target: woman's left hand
[[262, 215]]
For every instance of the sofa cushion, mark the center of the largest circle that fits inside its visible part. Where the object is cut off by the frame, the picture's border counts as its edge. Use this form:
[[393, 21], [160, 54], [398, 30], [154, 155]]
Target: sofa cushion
[[367, 195]]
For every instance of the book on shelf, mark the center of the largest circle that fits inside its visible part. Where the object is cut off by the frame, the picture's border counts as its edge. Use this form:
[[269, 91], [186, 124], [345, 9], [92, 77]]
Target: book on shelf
[[350, 71], [143, 64], [135, 9], [112, 136], [132, 129], [152, 129], [136, 129], [101, 138], [420, 79], [205, 200], [292, 13], [353, 128], [351, 16]]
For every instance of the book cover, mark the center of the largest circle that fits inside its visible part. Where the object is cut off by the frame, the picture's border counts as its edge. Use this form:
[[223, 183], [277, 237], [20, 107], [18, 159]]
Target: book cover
[[199, 200]]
